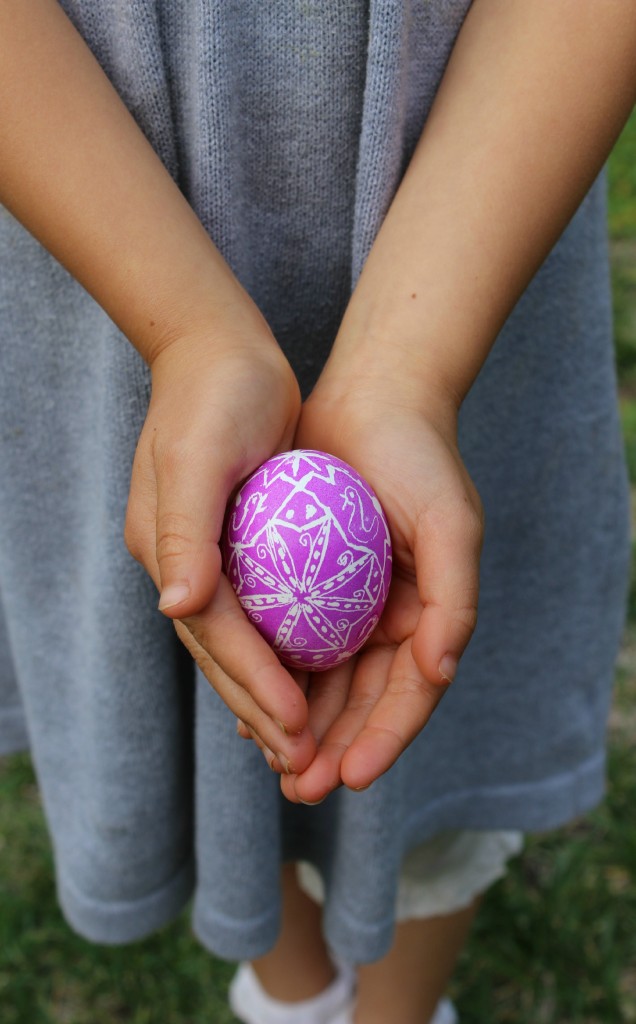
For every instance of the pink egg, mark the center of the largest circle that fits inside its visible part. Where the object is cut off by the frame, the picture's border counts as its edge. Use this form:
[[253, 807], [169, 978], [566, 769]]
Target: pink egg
[[308, 552]]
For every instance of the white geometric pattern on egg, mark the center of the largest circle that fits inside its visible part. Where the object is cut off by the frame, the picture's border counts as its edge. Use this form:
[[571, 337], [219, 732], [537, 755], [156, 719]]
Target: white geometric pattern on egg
[[308, 552]]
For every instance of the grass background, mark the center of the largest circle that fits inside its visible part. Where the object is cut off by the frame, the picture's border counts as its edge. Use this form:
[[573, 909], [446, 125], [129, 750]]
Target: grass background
[[554, 944]]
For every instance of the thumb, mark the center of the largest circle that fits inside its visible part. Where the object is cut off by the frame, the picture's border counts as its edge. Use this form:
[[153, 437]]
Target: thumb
[[448, 548], [191, 498]]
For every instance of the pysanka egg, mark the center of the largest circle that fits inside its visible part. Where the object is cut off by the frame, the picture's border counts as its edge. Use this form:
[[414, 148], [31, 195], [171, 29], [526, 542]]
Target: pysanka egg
[[308, 552]]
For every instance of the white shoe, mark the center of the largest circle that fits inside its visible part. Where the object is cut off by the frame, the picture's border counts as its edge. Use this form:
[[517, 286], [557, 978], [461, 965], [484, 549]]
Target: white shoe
[[251, 1003]]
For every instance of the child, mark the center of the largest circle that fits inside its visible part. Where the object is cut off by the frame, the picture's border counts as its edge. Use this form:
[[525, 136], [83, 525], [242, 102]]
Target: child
[[288, 129]]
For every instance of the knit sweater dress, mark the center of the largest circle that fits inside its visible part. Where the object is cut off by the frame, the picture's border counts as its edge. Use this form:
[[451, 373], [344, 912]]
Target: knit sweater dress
[[288, 125]]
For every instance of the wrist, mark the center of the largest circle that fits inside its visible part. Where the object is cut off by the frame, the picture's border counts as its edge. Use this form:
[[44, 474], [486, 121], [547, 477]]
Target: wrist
[[221, 355], [405, 327], [240, 391], [376, 373], [204, 312]]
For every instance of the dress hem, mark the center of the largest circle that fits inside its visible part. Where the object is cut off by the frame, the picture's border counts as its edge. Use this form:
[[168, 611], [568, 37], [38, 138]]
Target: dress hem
[[225, 937], [119, 923], [535, 807], [525, 807]]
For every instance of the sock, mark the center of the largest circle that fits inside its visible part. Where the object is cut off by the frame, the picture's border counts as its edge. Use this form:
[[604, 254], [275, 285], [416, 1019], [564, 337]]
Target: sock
[[251, 1003], [445, 1013]]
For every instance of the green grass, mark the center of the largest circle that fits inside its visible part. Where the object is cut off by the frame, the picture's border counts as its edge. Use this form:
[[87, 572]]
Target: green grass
[[622, 221], [624, 290], [622, 178], [555, 942]]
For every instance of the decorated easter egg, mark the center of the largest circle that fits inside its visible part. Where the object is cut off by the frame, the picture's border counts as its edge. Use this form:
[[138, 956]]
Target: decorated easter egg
[[308, 552]]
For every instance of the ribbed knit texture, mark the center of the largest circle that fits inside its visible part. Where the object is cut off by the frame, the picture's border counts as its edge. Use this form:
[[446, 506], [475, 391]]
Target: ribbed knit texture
[[288, 125]]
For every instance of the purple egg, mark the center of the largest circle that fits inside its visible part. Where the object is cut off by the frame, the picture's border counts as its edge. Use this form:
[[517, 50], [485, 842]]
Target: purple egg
[[308, 552]]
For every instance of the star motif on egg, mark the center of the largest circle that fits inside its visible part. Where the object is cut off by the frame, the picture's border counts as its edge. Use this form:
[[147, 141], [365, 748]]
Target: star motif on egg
[[309, 573], [295, 585]]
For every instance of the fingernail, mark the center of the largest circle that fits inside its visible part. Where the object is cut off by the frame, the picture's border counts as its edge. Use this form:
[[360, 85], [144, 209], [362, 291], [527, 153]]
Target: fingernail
[[270, 757], [312, 803], [447, 667], [173, 595], [287, 732], [285, 763]]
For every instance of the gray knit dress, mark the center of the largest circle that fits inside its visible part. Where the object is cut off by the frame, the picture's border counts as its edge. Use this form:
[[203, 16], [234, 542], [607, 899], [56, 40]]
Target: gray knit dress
[[287, 125]]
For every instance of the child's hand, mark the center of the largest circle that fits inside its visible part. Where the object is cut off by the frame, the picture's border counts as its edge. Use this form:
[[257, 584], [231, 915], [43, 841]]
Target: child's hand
[[367, 711], [216, 412]]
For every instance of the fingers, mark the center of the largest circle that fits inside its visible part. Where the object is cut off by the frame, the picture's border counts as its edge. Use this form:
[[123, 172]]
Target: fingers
[[245, 657], [387, 706], [187, 502], [447, 550], [401, 678], [327, 697], [366, 689], [362, 694], [293, 751], [431, 638], [402, 710], [271, 758], [174, 521], [220, 636]]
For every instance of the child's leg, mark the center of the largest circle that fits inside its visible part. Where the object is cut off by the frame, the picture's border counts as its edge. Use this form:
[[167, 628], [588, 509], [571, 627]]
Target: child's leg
[[299, 966], [439, 892], [403, 987], [408, 983]]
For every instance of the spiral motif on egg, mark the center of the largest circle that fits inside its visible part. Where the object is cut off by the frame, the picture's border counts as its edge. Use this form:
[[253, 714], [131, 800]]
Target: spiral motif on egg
[[307, 550]]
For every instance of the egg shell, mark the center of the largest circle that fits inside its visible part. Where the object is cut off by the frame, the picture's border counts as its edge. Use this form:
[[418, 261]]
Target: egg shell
[[308, 552]]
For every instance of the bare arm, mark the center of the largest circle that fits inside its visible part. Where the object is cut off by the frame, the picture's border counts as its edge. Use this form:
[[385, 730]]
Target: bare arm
[[533, 99], [80, 175]]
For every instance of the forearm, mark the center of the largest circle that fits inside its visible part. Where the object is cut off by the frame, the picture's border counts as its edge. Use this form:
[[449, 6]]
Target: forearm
[[531, 103], [79, 174]]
